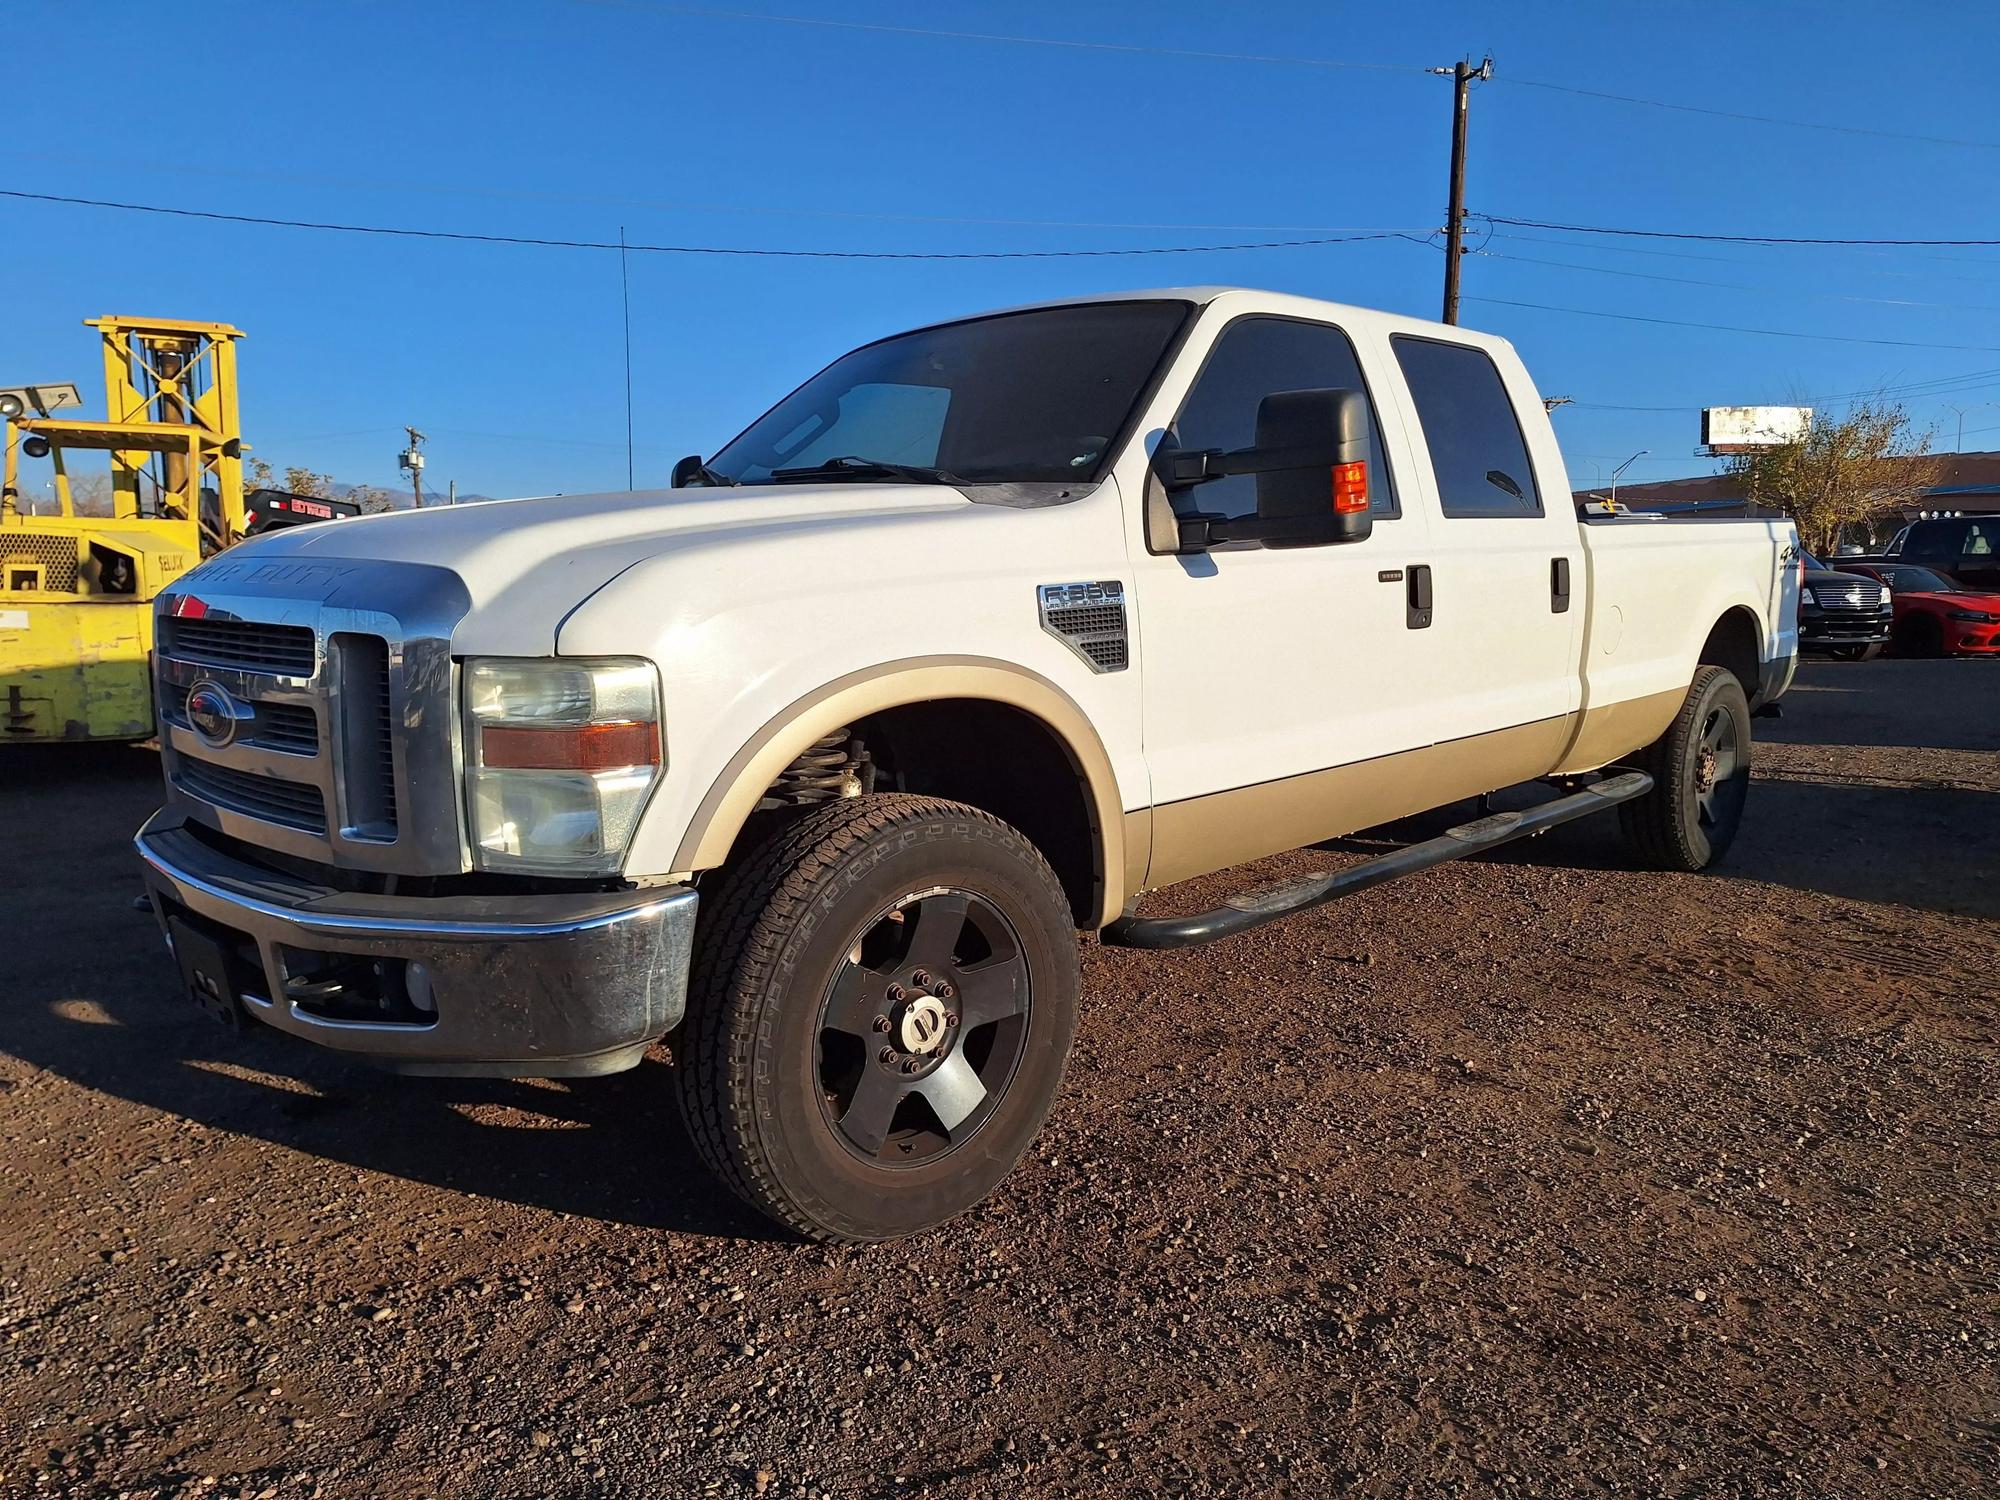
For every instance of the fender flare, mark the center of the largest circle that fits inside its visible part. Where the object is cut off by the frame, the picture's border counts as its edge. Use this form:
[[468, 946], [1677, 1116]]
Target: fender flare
[[733, 795]]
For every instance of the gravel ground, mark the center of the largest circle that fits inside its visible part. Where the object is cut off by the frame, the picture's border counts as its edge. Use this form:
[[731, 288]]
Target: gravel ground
[[1530, 1175]]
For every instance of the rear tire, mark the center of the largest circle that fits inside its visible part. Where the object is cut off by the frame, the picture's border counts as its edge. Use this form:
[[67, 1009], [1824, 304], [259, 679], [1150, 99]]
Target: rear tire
[[1701, 778], [883, 999]]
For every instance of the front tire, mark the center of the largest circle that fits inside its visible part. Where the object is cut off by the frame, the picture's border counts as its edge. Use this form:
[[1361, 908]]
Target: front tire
[[883, 999], [1858, 653], [1701, 779]]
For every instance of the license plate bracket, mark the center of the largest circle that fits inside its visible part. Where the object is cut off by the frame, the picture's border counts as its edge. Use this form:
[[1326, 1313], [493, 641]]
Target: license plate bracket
[[208, 970]]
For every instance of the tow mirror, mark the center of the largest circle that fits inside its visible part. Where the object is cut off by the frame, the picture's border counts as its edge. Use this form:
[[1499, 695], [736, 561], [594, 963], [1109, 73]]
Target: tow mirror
[[1311, 465], [687, 471]]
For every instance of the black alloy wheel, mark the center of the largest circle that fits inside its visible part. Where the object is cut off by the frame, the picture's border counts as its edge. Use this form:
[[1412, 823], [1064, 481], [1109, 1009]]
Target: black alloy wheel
[[923, 1027]]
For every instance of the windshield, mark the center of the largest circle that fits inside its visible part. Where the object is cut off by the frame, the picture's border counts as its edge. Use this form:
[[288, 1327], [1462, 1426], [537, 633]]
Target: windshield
[[1919, 581], [1028, 396]]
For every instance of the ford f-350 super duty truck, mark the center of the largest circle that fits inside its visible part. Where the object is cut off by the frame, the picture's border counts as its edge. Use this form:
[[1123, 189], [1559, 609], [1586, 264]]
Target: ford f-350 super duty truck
[[815, 764]]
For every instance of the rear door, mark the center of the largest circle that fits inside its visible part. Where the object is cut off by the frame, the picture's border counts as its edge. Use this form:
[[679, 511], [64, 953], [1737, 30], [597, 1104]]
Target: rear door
[[1506, 556]]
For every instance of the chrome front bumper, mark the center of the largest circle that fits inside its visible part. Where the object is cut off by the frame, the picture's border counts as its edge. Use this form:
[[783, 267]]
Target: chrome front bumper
[[520, 986]]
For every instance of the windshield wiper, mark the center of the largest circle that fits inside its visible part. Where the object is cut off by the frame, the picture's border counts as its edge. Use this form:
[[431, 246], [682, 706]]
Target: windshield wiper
[[850, 466]]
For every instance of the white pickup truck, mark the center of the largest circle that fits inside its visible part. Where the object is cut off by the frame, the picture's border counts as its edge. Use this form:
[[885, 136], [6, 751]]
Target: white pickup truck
[[815, 763]]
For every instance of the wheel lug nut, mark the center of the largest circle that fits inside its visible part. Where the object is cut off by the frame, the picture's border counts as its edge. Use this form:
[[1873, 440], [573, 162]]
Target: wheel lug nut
[[946, 991], [951, 1018], [922, 977], [881, 1023], [895, 994], [909, 1065], [887, 1055]]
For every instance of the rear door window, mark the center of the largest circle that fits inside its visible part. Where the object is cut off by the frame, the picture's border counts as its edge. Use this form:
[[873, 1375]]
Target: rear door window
[[1475, 443]]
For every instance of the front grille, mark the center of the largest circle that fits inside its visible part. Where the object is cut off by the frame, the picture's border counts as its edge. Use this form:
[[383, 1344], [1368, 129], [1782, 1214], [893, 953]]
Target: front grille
[[1848, 596], [289, 803], [290, 727], [286, 726], [242, 645], [367, 728], [54, 558]]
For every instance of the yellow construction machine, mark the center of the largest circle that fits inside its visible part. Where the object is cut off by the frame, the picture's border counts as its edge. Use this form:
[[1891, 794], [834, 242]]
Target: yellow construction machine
[[76, 591]]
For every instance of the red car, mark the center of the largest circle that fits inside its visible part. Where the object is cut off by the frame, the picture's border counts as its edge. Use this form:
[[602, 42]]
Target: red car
[[1936, 615]]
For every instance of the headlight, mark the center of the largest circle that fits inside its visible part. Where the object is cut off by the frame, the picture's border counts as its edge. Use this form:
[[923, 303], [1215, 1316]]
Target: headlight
[[560, 755], [1806, 597], [1888, 600], [1978, 616]]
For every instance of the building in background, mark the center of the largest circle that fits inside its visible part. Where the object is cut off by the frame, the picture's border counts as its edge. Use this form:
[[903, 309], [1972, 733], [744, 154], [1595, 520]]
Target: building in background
[[1970, 487]]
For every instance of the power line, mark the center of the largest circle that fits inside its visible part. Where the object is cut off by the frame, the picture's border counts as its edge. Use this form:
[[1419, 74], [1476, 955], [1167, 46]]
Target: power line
[[744, 250], [1943, 385], [1736, 286], [935, 33], [1203, 55], [67, 159], [1730, 114], [1776, 333], [1725, 239]]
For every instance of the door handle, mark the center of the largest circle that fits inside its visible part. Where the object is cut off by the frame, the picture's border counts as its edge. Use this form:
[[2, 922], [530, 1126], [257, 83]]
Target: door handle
[[1559, 585], [1417, 612]]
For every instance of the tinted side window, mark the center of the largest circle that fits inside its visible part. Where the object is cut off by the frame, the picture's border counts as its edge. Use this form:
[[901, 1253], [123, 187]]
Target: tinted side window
[[1939, 539], [1255, 358], [1475, 443]]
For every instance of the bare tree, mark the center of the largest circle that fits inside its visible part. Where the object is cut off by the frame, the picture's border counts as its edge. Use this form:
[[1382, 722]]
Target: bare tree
[[90, 493], [372, 501], [259, 475], [1846, 472]]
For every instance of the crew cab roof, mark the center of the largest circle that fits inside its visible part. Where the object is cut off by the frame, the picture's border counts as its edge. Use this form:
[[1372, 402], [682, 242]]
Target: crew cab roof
[[1259, 300]]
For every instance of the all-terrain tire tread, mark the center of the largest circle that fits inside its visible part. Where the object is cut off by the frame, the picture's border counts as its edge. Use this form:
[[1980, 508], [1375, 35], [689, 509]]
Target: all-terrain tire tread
[[734, 944]]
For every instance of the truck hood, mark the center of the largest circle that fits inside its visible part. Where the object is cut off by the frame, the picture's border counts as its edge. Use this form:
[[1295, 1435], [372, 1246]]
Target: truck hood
[[526, 564]]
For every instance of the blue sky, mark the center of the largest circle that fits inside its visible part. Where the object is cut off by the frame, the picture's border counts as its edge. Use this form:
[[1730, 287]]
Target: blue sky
[[692, 126]]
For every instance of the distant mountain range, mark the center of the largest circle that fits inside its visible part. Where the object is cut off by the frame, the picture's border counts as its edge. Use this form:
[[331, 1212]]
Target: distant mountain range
[[399, 499]]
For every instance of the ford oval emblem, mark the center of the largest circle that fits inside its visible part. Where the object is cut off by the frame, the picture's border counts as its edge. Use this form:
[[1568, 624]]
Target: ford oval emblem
[[214, 715]]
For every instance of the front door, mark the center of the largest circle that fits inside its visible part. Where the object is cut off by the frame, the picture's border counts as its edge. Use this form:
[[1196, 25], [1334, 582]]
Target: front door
[[1264, 667]]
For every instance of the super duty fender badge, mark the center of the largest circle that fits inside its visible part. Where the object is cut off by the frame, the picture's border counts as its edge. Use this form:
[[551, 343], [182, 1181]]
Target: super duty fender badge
[[1089, 618]]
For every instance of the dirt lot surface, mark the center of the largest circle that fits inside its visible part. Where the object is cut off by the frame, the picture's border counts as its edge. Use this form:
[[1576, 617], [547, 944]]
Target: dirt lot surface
[[1526, 1176]]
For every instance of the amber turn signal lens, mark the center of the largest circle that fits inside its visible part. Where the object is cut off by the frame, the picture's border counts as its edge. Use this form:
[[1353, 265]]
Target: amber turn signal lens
[[1350, 488], [568, 747]]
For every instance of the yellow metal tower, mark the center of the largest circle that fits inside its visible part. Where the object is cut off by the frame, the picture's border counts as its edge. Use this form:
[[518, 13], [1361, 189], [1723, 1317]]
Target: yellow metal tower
[[76, 591]]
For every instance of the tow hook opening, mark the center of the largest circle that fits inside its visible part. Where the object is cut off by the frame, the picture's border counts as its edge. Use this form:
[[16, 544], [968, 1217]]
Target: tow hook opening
[[360, 990]]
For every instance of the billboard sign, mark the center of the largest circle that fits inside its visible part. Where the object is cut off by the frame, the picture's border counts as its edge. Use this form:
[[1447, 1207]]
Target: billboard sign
[[1753, 429]]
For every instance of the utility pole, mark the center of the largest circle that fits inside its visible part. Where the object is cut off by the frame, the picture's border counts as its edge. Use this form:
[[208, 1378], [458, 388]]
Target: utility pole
[[412, 460], [1462, 74]]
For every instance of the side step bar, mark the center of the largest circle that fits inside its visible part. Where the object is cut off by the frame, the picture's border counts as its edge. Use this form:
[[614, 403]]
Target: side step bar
[[1255, 908]]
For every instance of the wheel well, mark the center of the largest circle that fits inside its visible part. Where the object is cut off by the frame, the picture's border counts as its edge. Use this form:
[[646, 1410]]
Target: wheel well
[[996, 757], [1006, 761], [1733, 644]]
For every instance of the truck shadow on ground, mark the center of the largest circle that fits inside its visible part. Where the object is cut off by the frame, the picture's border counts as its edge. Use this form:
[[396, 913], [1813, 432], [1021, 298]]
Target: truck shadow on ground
[[91, 997], [1862, 841]]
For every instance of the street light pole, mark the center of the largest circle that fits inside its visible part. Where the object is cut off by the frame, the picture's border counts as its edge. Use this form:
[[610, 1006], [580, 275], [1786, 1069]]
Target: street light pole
[[1620, 470]]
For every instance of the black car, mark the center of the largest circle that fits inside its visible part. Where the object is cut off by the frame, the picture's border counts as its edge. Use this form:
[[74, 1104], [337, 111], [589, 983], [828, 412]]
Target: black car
[[1843, 614]]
